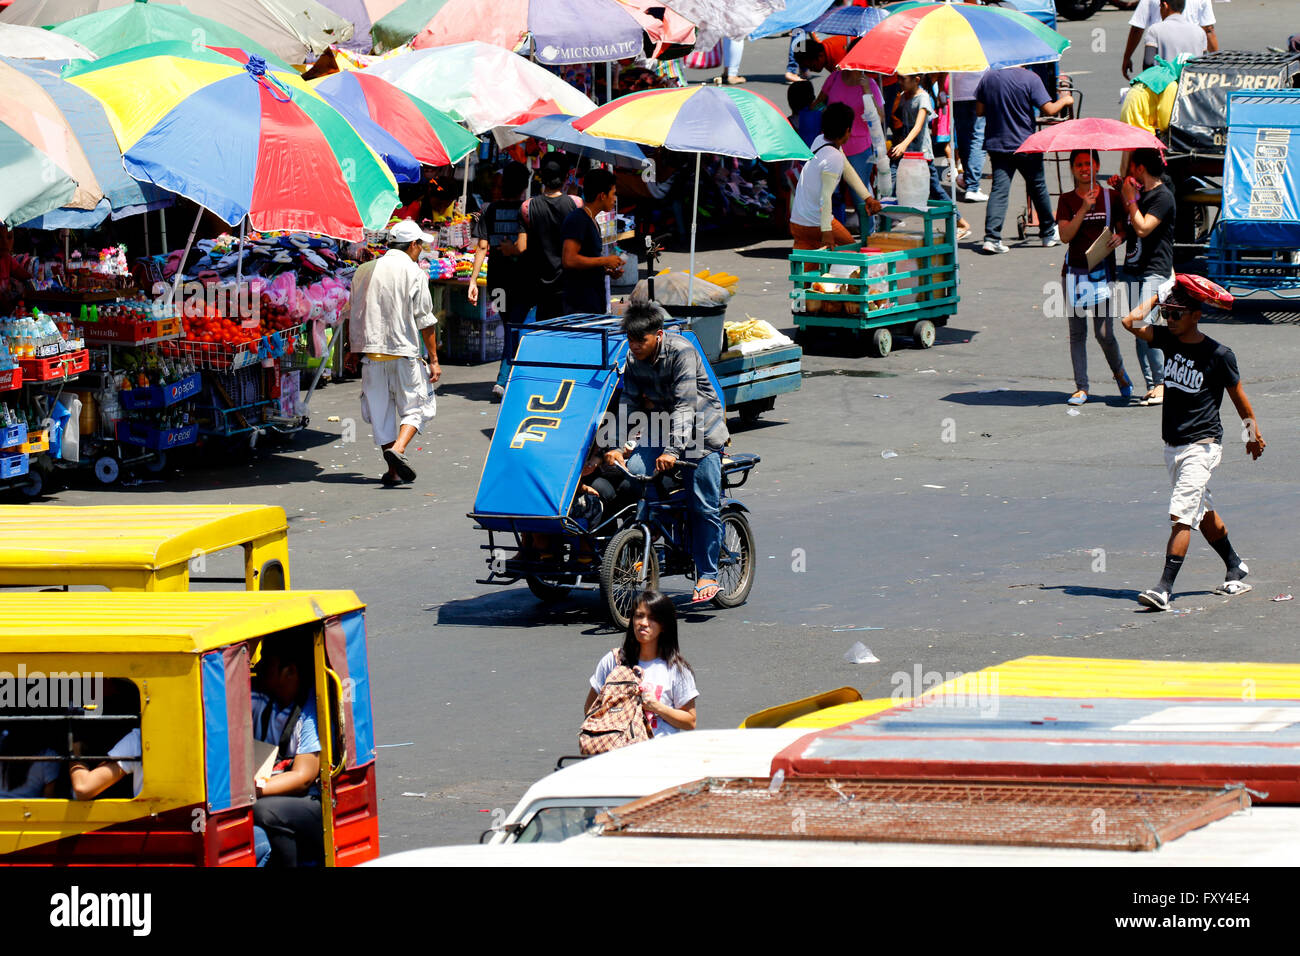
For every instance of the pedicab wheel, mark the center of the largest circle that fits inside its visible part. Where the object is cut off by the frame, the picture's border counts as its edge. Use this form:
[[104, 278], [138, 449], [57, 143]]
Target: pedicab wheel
[[736, 561], [622, 576], [546, 591], [923, 334], [107, 469], [157, 464], [882, 341], [34, 486], [749, 411]]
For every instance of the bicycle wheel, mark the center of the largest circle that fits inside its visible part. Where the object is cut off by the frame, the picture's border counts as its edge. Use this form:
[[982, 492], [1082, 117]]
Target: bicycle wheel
[[736, 560], [623, 575]]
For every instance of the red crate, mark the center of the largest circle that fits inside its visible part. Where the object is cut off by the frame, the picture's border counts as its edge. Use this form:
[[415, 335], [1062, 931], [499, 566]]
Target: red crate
[[132, 332], [60, 366], [11, 378]]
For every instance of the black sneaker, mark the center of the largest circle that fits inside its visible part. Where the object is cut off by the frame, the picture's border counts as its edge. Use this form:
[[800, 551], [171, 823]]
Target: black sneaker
[[1156, 600]]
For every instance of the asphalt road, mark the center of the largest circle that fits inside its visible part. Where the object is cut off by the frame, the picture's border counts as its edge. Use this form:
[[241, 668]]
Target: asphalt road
[[1030, 533]]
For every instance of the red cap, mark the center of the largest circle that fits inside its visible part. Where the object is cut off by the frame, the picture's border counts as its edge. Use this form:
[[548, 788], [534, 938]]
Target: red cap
[[1201, 289]]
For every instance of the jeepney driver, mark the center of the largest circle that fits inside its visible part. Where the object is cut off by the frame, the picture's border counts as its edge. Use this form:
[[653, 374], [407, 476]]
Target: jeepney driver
[[390, 311], [665, 374]]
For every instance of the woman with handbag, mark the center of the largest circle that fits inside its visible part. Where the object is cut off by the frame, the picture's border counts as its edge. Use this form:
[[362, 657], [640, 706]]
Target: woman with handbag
[[668, 691], [1083, 214]]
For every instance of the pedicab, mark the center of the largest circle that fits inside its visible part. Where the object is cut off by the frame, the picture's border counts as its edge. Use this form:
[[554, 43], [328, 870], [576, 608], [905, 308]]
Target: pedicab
[[80, 671], [565, 378]]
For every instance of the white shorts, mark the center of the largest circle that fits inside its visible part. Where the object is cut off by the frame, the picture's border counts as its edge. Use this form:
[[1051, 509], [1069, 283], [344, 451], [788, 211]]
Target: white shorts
[[395, 393], [1189, 472]]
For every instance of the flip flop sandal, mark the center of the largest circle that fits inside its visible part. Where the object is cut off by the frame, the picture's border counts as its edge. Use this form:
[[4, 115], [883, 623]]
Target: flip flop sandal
[[1231, 588], [700, 594], [1078, 398], [389, 482], [1125, 387], [399, 464]]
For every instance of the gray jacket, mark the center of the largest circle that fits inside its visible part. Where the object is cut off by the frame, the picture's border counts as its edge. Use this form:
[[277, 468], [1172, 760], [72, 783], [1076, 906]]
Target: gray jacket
[[675, 383]]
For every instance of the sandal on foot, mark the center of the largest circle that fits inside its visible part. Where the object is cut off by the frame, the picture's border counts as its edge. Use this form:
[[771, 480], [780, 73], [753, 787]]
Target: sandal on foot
[[1156, 396], [399, 464], [1078, 398], [388, 481], [705, 594], [1125, 387]]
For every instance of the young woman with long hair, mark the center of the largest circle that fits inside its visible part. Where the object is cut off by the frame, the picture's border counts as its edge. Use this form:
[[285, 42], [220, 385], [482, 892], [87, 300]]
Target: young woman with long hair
[[667, 682]]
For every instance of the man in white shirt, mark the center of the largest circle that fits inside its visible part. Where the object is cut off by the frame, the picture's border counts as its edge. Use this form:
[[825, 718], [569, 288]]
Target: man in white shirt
[[1148, 14], [391, 311], [1173, 38], [812, 224]]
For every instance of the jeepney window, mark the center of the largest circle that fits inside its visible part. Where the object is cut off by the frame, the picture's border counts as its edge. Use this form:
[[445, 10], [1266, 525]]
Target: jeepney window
[[554, 824], [69, 736]]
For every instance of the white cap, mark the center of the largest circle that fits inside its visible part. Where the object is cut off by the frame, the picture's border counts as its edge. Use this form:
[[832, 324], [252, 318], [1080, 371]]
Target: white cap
[[407, 231]]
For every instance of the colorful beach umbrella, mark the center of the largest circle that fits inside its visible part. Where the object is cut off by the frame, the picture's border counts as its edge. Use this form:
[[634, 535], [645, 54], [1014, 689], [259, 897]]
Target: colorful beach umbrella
[[953, 38], [291, 29], [33, 43], [561, 31], [31, 112], [216, 126], [1103, 135], [34, 181], [433, 137], [362, 14], [559, 132], [110, 31], [482, 85], [124, 195], [699, 119], [847, 21], [399, 27]]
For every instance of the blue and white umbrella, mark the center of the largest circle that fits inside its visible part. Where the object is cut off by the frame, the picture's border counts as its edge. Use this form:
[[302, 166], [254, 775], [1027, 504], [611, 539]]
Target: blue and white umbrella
[[557, 129]]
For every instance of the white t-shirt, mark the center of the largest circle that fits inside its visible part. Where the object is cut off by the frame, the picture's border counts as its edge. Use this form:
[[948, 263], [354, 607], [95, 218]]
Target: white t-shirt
[[806, 209], [673, 686], [127, 753], [1148, 13]]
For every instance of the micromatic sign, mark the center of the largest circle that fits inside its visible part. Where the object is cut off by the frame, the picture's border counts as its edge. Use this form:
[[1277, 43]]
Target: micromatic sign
[[590, 54]]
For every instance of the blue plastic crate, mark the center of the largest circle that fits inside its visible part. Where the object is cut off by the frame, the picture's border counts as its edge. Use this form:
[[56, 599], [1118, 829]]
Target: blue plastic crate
[[161, 396], [13, 466], [13, 435], [156, 439]]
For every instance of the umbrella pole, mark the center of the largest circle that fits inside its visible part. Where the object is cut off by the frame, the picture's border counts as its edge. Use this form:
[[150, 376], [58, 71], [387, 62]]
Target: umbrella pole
[[239, 266], [189, 243], [162, 224], [695, 215], [464, 192], [609, 82]]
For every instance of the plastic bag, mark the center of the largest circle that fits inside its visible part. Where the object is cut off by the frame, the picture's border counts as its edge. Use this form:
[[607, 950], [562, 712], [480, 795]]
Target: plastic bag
[[671, 289]]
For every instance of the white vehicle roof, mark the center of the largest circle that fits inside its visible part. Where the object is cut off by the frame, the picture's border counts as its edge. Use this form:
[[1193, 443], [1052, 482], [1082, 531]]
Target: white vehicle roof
[[1261, 836], [663, 762]]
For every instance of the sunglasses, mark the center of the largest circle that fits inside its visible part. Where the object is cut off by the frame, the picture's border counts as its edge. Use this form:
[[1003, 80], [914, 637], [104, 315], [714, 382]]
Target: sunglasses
[[1173, 312]]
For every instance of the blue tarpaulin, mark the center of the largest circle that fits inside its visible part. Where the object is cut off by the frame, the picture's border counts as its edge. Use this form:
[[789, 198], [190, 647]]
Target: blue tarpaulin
[[797, 13], [1261, 203]]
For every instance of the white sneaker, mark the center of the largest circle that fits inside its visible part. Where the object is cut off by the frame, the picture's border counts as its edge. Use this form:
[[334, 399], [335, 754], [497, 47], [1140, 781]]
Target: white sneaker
[[497, 392], [995, 246], [1157, 600], [976, 195], [1052, 239]]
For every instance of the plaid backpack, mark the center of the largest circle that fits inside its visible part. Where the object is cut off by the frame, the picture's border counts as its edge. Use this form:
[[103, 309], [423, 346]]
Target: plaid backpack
[[617, 718]]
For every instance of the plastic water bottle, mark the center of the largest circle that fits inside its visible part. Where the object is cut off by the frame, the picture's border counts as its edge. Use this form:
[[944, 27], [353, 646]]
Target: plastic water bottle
[[913, 185]]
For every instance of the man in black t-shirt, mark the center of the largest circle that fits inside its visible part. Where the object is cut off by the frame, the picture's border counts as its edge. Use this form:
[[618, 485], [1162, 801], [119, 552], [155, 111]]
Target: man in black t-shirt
[[1197, 371], [1150, 209], [584, 266], [542, 218]]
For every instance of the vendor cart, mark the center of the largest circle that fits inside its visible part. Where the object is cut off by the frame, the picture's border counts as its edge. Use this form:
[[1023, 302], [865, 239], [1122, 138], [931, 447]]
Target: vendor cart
[[1255, 246], [904, 282]]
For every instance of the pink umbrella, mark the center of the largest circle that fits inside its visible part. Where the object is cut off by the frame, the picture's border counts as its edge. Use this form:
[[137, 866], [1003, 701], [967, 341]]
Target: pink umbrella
[[1103, 135]]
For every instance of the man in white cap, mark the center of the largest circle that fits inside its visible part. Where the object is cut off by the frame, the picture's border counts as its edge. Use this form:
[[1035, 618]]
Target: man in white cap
[[391, 311]]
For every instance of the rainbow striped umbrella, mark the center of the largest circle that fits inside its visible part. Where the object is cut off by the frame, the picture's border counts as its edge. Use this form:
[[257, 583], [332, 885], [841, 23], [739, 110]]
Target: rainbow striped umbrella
[[219, 127], [433, 137], [953, 38], [699, 119]]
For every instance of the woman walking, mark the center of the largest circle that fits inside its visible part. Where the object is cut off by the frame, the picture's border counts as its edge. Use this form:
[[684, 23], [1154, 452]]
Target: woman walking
[[667, 682], [1083, 215]]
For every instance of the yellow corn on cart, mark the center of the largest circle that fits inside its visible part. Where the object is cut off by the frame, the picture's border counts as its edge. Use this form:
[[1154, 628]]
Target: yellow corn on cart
[[139, 548]]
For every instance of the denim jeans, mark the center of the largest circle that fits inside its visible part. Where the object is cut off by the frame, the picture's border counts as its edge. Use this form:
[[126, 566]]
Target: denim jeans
[[1030, 167], [507, 356], [791, 64], [732, 52], [970, 143], [1150, 360], [261, 846], [706, 505], [1103, 325], [863, 163]]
